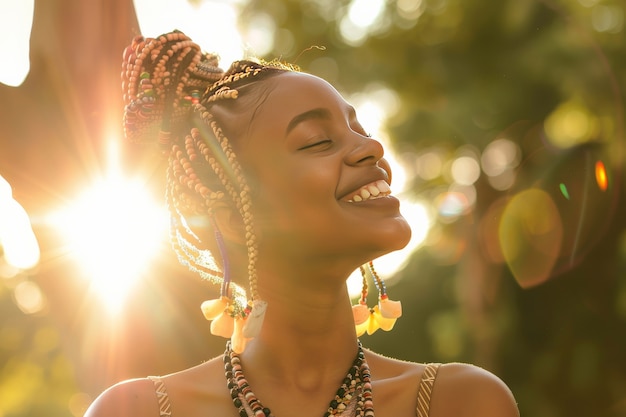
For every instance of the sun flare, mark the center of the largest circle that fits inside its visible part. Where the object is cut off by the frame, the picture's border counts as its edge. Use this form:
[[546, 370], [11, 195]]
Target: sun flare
[[113, 231]]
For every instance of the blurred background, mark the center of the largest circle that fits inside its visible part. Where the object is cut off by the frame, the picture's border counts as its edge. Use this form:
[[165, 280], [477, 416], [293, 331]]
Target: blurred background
[[505, 123]]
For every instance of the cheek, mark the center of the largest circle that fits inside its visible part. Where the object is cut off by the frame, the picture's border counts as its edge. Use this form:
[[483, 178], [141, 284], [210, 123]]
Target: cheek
[[294, 201]]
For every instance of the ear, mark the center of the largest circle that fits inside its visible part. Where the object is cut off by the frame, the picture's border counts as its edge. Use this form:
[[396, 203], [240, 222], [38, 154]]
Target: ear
[[229, 223]]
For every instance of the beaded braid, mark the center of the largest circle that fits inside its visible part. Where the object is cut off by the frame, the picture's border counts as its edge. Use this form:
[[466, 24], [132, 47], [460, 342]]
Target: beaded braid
[[239, 195], [159, 78], [166, 80]]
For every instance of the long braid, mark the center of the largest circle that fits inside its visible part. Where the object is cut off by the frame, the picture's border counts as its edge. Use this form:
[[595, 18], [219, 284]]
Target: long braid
[[166, 81]]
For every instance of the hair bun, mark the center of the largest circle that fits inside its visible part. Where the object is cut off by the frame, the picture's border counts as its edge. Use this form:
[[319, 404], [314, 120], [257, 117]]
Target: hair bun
[[161, 78]]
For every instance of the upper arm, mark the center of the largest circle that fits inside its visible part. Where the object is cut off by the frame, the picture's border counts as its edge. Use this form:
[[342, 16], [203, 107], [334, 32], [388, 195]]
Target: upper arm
[[134, 398], [469, 391]]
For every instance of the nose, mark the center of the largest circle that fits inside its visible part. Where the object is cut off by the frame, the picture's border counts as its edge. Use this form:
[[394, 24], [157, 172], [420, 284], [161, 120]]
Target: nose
[[365, 151]]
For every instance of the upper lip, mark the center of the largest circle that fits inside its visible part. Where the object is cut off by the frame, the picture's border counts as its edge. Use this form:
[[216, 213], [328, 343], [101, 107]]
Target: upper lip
[[373, 176]]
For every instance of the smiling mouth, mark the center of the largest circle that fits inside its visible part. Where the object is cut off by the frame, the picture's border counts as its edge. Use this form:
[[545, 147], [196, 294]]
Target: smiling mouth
[[371, 191]]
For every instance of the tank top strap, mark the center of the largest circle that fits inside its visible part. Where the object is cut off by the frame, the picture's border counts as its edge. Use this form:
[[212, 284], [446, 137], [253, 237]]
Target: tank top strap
[[426, 388], [165, 408]]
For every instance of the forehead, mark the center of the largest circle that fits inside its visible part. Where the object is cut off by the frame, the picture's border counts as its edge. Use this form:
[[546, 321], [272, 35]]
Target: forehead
[[291, 94]]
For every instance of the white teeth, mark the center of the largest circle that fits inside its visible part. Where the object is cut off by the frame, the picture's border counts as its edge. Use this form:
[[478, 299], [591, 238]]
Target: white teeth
[[377, 189], [373, 190]]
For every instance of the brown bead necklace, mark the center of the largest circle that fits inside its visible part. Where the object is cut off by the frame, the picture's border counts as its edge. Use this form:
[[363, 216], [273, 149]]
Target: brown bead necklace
[[356, 386]]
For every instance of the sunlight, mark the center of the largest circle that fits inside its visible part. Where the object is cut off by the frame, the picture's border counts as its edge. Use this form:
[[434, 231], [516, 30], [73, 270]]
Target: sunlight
[[18, 243], [364, 13], [418, 216], [17, 239], [373, 108], [211, 24], [16, 20], [113, 231], [360, 20]]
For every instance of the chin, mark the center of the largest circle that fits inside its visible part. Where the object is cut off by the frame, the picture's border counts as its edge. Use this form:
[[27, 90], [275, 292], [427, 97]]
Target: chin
[[395, 238], [403, 236]]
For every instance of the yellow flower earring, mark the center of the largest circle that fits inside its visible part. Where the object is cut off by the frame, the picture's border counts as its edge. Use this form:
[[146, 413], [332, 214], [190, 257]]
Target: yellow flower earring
[[240, 322], [383, 315]]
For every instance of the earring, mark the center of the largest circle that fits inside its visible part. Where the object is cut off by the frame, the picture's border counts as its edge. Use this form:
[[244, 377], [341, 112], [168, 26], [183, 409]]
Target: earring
[[229, 319], [221, 311], [381, 316]]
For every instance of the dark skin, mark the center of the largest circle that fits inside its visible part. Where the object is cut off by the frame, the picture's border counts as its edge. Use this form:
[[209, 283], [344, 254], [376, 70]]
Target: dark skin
[[306, 155]]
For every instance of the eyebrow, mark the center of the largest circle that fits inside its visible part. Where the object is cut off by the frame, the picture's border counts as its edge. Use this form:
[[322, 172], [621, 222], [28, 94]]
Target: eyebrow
[[319, 113]]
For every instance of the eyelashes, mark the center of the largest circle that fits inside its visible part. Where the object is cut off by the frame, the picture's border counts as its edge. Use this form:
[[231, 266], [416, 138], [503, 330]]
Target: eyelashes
[[325, 143], [318, 144]]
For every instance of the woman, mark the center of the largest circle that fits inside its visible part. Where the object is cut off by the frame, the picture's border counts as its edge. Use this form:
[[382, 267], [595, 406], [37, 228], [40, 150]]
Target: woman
[[271, 177]]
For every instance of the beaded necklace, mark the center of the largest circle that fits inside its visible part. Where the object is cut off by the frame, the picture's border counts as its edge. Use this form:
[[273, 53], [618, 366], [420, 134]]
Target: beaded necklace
[[356, 386]]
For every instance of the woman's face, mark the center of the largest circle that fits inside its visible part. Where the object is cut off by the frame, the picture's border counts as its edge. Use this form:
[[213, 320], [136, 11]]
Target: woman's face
[[311, 167]]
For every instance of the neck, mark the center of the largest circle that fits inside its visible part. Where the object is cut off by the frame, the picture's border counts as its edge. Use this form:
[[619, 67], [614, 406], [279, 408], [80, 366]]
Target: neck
[[308, 336]]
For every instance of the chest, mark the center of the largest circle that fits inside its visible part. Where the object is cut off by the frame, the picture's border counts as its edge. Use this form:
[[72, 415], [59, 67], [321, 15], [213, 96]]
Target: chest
[[389, 400]]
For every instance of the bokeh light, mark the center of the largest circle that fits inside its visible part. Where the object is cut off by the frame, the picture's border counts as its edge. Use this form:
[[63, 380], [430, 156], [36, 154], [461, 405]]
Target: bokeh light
[[362, 18], [499, 161], [465, 170], [430, 164], [451, 205], [530, 236], [260, 36], [410, 10], [29, 298], [570, 124], [607, 18], [499, 156]]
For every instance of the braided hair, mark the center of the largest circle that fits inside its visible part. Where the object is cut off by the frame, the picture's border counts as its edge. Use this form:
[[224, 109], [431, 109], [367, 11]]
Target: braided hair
[[170, 88]]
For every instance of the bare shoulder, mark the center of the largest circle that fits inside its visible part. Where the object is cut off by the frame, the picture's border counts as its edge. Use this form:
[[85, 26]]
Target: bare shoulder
[[394, 384], [196, 391], [476, 392], [132, 398], [390, 368]]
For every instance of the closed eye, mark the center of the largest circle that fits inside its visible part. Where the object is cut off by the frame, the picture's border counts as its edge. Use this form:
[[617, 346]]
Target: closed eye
[[319, 144]]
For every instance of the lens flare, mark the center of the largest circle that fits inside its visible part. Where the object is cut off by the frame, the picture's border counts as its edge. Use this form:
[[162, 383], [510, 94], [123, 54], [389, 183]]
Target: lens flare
[[601, 176], [530, 235]]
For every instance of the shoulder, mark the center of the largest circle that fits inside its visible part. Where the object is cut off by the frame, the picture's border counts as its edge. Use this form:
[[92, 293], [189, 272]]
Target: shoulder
[[132, 398], [391, 370], [476, 392]]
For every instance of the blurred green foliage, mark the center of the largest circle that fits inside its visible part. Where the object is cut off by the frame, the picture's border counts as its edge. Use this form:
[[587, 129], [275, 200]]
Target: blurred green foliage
[[464, 73], [36, 376]]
